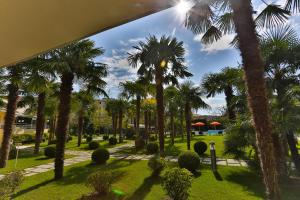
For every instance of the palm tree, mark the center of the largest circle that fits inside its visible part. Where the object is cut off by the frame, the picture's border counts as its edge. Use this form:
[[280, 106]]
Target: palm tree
[[112, 109], [171, 94], [122, 105], [15, 76], [237, 16], [138, 89], [163, 58], [191, 96], [72, 61], [93, 85], [280, 48], [148, 105], [224, 81]]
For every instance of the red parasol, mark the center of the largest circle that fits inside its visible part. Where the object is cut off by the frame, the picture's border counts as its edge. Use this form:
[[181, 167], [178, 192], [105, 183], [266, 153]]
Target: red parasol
[[215, 123], [198, 124]]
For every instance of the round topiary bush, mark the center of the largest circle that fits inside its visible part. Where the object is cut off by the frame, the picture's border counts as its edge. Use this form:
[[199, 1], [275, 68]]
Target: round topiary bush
[[177, 183], [112, 141], [139, 143], [152, 138], [50, 151], [189, 160], [100, 156], [200, 147], [93, 145], [89, 139], [156, 164], [152, 148], [105, 137]]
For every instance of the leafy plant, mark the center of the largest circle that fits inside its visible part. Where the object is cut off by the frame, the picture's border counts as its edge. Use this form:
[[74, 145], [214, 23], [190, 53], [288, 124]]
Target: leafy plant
[[152, 148], [200, 147], [156, 164], [112, 141], [50, 151], [9, 184], [189, 160], [100, 156], [177, 183], [100, 182], [93, 145]]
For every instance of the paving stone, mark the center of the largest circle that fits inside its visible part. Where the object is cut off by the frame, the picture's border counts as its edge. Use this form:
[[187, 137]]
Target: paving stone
[[30, 174], [39, 170], [232, 161], [234, 164], [46, 166], [221, 162], [244, 163]]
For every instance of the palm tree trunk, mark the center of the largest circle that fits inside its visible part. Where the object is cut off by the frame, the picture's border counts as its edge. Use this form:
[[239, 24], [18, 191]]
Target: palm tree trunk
[[40, 122], [256, 88], [115, 125], [172, 127], [155, 126], [188, 124], [120, 126], [52, 128], [138, 113], [146, 125], [181, 123], [62, 123], [230, 108], [149, 123], [80, 126], [292, 141], [8, 123], [160, 109], [280, 157]]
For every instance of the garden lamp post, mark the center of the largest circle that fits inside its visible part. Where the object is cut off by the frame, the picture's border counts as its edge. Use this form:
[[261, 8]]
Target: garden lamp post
[[213, 156]]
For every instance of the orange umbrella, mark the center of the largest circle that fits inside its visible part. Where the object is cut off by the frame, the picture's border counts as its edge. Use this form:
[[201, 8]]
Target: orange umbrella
[[198, 124], [215, 123]]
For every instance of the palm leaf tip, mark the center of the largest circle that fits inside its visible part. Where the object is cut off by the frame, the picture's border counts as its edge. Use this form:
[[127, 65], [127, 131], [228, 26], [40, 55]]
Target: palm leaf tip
[[212, 34]]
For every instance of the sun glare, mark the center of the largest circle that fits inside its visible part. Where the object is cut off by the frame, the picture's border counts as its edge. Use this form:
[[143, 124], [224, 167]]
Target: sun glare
[[183, 6]]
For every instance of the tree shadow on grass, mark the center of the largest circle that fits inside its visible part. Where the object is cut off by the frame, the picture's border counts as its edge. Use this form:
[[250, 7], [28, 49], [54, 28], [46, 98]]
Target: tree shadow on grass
[[34, 187], [249, 180], [142, 191]]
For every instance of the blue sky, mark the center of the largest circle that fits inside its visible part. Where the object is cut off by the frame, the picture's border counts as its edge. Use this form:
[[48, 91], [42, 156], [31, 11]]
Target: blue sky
[[200, 59]]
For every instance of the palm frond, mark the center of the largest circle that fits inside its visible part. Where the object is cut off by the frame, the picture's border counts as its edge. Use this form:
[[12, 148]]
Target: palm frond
[[212, 34], [293, 5], [225, 23], [272, 15]]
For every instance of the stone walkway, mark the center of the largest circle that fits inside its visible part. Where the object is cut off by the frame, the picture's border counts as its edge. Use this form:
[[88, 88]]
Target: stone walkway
[[81, 156]]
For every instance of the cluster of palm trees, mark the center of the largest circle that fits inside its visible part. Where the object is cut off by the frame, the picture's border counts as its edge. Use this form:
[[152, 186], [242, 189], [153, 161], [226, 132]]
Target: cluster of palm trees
[[38, 78]]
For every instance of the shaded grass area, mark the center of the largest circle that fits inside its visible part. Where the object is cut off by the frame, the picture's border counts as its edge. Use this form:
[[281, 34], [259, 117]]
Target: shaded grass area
[[27, 159], [135, 181]]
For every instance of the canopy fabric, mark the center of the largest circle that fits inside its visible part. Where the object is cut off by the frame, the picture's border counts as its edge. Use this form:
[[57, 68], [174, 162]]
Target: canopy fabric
[[198, 124], [31, 27], [215, 123]]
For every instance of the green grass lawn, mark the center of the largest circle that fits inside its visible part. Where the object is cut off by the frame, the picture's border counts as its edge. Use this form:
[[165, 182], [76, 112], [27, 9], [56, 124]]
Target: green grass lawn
[[27, 159], [235, 183]]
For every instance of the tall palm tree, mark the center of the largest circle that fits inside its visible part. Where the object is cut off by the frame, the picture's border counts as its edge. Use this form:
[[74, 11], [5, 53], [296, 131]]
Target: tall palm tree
[[112, 109], [224, 81], [93, 85], [15, 76], [191, 96], [170, 94], [138, 89], [163, 58], [72, 61], [122, 105], [237, 16]]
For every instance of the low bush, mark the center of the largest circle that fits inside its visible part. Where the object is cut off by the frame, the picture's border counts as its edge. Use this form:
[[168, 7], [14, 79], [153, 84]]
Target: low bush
[[152, 138], [105, 137], [100, 156], [177, 183], [50, 151], [139, 143], [112, 141], [100, 182], [189, 160], [89, 139], [152, 148], [93, 145], [200, 147], [24, 138], [10, 183], [156, 164]]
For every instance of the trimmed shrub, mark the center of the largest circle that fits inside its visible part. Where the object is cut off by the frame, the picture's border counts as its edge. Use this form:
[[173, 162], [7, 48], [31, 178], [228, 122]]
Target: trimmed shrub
[[112, 141], [200, 147], [69, 138], [105, 137], [189, 160], [139, 143], [156, 164], [100, 156], [93, 145], [177, 183], [152, 148], [152, 138], [52, 142], [24, 138], [100, 182], [10, 183], [50, 151], [89, 139]]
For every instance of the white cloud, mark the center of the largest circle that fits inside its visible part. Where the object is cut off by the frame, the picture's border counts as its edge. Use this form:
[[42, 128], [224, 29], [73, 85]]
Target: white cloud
[[222, 44]]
